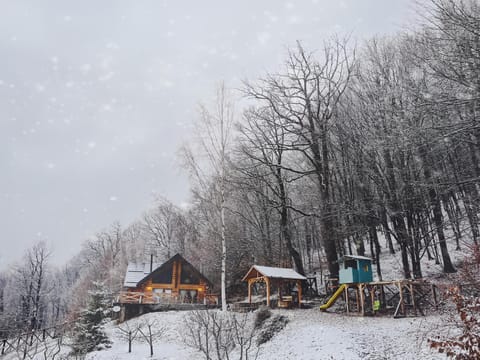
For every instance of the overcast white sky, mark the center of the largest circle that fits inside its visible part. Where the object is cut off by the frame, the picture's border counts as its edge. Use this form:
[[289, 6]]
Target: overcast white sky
[[96, 96]]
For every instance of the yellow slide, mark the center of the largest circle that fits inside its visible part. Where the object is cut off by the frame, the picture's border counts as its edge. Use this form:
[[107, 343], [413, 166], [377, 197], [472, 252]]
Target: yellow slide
[[334, 298]]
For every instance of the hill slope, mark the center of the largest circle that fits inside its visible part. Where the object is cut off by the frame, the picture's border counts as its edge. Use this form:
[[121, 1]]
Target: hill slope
[[309, 334]]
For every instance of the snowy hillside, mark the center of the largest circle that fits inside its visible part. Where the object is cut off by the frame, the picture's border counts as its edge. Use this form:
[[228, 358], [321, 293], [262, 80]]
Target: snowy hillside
[[309, 334]]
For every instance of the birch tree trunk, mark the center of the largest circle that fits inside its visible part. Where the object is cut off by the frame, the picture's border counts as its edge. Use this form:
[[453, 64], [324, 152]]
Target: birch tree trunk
[[210, 187]]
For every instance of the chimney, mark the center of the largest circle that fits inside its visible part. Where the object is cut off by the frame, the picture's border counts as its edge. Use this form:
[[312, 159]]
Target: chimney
[[151, 263]]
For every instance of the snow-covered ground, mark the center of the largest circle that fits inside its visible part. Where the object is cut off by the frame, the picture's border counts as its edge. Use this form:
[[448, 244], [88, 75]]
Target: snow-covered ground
[[309, 334]]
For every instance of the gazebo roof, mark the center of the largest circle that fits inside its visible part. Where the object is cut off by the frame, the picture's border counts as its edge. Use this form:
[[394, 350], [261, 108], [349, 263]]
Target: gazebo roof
[[356, 257], [273, 273]]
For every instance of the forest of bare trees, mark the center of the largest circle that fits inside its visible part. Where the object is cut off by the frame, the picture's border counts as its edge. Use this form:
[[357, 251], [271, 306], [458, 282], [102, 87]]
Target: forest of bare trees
[[364, 149]]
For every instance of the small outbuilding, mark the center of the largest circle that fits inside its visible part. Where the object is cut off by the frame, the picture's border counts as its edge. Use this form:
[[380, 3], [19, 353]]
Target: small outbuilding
[[355, 269], [274, 277]]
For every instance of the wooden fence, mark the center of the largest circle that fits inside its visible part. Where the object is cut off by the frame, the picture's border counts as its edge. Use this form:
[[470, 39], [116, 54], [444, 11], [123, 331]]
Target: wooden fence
[[26, 343]]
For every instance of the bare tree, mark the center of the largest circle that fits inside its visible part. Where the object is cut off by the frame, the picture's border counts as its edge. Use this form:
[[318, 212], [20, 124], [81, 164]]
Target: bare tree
[[263, 142], [151, 332], [32, 287], [165, 224], [129, 333], [306, 98], [216, 334], [214, 132]]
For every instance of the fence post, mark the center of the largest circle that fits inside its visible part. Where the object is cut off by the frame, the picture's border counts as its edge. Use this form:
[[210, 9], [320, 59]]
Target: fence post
[[3, 346]]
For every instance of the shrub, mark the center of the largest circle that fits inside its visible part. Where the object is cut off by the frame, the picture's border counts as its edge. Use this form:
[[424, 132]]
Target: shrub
[[467, 306], [272, 327], [262, 314], [467, 344]]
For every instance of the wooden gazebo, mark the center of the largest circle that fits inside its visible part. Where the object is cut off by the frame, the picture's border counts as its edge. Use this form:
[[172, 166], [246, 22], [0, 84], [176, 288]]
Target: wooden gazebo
[[273, 276]]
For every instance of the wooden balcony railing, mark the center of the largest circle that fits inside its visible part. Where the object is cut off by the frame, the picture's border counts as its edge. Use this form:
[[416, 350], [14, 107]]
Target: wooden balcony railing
[[149, 297]]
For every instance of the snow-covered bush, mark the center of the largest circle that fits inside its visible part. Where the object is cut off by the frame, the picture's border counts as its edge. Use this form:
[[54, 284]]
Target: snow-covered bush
[[271, 327], [261, 315]]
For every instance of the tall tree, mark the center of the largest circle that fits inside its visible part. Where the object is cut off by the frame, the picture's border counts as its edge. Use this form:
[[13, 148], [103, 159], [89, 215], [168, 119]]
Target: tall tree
[[306, 97], [263, 142], [214, 138]]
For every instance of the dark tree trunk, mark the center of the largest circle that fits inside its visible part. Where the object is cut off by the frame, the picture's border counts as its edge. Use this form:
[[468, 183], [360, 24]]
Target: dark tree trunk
[[372, 231], [437, 211], [403, 237], [386, 230], [284, 224]]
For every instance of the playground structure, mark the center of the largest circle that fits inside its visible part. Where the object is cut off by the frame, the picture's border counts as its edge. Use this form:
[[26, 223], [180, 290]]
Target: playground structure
[[366, 297], [333, 298]]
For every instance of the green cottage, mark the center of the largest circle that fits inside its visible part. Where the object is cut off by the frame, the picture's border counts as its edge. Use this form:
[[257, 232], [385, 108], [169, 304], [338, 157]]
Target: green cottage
[[355, 269]]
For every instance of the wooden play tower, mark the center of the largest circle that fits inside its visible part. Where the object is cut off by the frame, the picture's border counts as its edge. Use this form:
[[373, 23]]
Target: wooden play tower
[[364, 296]]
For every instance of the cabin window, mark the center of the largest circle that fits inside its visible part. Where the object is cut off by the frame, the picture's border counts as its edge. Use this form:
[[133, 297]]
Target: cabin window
[[189, 276], [188, 296], [351, 263], [164, 276]]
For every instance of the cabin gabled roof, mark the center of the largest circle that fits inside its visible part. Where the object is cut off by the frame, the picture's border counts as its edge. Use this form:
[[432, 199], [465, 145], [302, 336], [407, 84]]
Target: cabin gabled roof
[[136, 272], [139, 273], [273, 273]]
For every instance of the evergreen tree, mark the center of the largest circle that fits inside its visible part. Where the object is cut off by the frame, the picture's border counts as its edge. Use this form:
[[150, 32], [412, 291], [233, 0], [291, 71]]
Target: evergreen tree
[[89, 332]]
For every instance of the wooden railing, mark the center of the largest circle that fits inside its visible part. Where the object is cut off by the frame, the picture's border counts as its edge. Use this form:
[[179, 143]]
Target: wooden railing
[[130, 297], [211, 299], [148, 297]]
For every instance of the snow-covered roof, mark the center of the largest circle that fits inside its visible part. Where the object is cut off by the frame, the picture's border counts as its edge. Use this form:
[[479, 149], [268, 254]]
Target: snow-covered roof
[[357, 257], [275, 273], [136, 272]]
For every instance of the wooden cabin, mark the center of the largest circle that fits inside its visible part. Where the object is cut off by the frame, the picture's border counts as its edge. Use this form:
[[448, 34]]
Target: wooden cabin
[[173, 282]]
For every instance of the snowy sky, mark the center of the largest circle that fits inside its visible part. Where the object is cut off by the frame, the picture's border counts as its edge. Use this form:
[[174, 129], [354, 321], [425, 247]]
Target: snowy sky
[[96, 96]]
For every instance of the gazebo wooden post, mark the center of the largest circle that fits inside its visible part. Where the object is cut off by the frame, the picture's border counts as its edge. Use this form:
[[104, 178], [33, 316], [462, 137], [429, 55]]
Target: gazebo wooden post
[[267, 282], [250, 291], [299, 287]]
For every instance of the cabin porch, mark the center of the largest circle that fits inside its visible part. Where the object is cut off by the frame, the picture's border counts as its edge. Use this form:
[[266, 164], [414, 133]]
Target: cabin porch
[[152, 297]]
